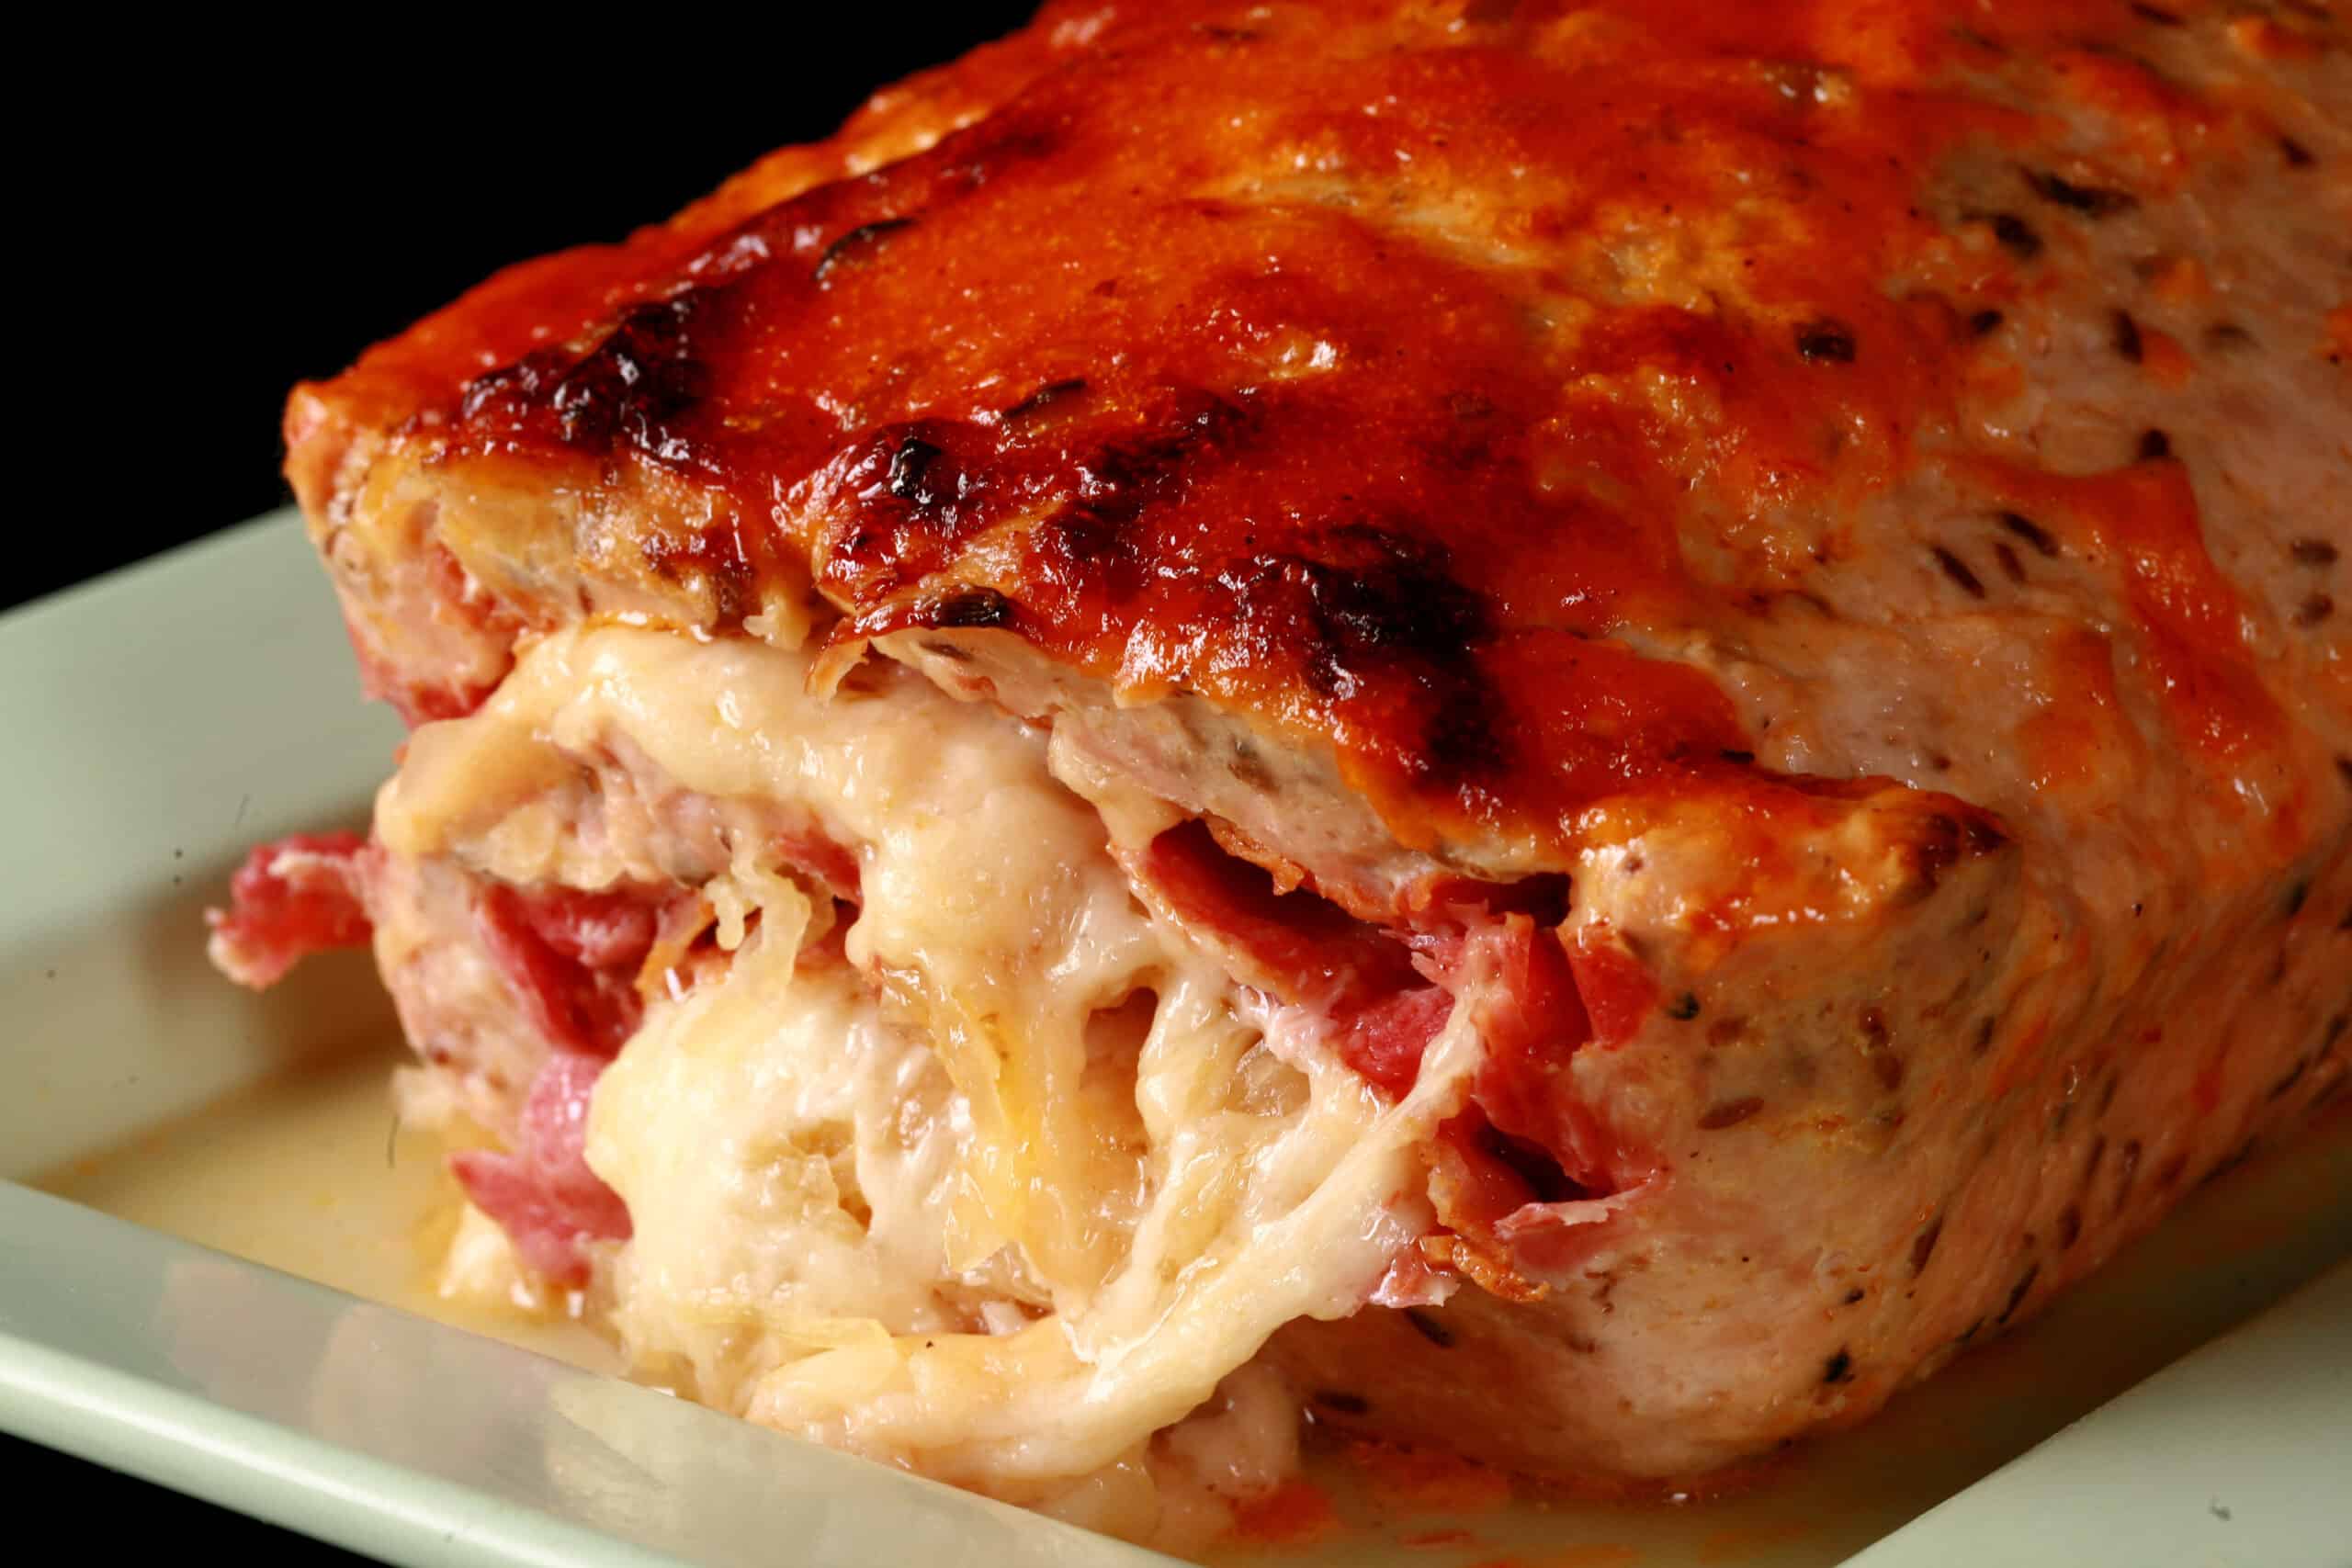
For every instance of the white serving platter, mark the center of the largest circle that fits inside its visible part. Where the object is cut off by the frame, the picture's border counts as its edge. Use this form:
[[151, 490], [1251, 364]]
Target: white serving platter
[[161, 720]]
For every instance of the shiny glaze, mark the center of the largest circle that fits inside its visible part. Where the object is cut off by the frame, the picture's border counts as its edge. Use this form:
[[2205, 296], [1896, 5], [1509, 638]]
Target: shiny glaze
[[1426, 378]]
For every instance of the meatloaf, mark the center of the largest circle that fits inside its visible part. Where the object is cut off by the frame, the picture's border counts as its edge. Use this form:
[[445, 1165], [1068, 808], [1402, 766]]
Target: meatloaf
[[1579, 729]]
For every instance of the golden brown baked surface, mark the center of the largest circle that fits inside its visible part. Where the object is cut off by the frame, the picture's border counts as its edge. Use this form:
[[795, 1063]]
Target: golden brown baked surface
[[1463, 384]]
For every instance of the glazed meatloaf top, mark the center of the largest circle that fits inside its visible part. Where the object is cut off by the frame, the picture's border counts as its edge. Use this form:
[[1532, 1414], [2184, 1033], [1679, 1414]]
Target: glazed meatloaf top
[[1840, 393]]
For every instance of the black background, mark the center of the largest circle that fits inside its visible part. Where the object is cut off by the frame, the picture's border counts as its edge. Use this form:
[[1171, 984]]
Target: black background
[[203, 232], [216, 219]]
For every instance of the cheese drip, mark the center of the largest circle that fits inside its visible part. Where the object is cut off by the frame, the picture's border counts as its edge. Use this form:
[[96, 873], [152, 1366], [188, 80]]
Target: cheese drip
[[1012, 1190]]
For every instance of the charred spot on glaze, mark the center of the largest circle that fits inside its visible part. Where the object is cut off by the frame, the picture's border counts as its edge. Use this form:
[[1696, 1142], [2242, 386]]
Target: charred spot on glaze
[[1984, 324], [2161, 18], [1128, 475], [2311, 552], [2155, 446], [969, 609], [2091, 201], [2315, 608], [1737, 758], [1081, 542], [1125, 475], [630, 386], [857, 244], [1684, 1007], [1460, 739], [1824, 340], [2011, 567], [1383, 605], [2297, 156], [908, 499], [1345, 1404], [1839, 1367], [911, 466], [640, 378]]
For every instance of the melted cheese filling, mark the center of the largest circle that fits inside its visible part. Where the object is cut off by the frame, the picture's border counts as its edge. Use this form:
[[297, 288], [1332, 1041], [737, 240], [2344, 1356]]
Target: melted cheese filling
[[1014, 1187]]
